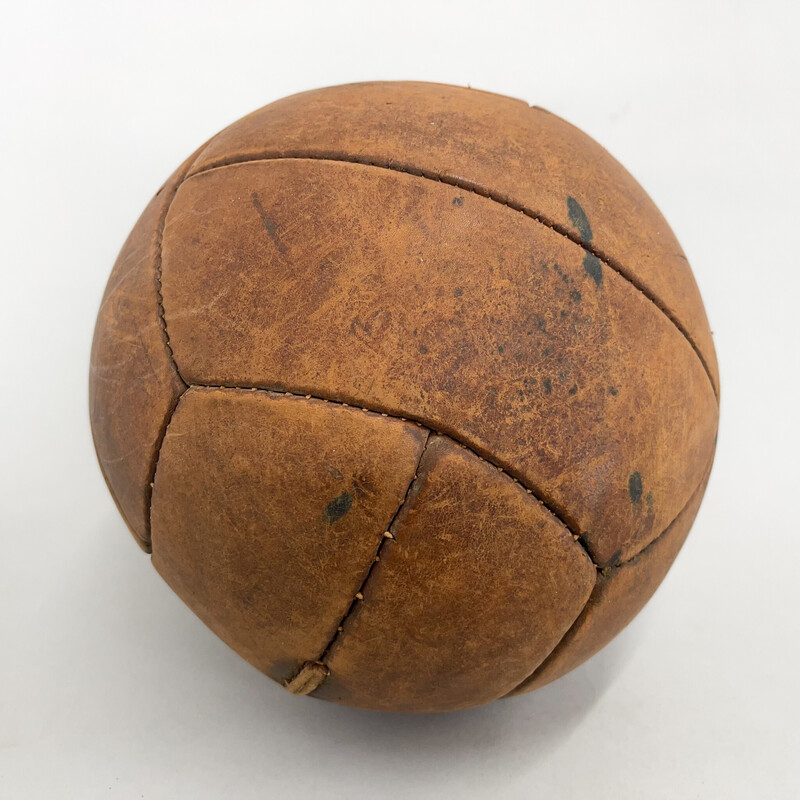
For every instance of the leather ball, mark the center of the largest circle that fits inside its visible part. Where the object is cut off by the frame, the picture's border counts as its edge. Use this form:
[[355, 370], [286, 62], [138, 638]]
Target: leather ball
[[410, 392]]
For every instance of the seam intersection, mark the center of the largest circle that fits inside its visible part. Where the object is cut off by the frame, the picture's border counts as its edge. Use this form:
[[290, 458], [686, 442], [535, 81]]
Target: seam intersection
[[464, 185], [534, 493], [162, 323], [605, 572], [317, 668]]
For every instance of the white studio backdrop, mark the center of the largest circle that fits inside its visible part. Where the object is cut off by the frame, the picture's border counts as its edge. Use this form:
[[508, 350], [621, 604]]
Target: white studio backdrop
[[110, 687]]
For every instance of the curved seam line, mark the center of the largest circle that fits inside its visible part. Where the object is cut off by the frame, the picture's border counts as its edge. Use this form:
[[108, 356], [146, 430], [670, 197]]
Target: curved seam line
[[546, 505], [384, 539], [159, 447], [535, 493], [359, 595], [158, 264], [162, 323], [474, 188], [606, 571]]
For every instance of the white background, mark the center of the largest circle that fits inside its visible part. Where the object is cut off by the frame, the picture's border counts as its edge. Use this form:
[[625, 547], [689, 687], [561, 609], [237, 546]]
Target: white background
[[109, 687]]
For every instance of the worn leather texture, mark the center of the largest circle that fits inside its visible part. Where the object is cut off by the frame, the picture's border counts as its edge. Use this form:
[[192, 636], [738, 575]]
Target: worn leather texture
[[409, 389], [618, 596]]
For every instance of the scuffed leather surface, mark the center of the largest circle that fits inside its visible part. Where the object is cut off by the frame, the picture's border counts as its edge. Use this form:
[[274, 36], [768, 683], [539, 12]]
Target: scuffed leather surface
[[449, 308], [619, 595], [133, 384], [478, 586], [379, 286], [268, 510], [498, 144]]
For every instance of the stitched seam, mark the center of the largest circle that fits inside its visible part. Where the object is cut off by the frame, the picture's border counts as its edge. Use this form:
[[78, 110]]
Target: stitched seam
[[162, 317], [474, 188], [159, 446], [385, 539], [608, 571], [162, 324], [431, 430], [534, 493]]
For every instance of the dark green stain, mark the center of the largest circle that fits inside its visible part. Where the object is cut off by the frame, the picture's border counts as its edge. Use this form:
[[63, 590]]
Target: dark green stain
[[575, 295], [614, 560], [577, 216], [338, 507], [458, 292], [458, 201], [594, 268], [548, 385], [635, 487], [649, 500]]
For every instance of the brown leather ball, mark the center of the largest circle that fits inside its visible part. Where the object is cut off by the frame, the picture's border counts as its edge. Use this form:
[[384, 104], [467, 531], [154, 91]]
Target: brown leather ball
[[410, 390]]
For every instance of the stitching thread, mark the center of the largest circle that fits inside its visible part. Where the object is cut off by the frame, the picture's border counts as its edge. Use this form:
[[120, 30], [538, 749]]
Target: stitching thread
[[162, 323], [534, 493], [474, 188], [319, 664], [149, 491], [464, 185], [431, 430], [387, 537], [605, 572], [162, 316]]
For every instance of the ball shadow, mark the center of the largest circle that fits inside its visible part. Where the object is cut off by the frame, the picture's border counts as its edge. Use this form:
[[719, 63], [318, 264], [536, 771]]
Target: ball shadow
[[524, 728]]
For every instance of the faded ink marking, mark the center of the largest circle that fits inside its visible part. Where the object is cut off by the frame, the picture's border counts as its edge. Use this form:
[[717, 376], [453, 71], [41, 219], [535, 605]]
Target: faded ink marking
[[338, 507], [635, 488], [577, 216], [335, 472], [269, 225], [594, 268]]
